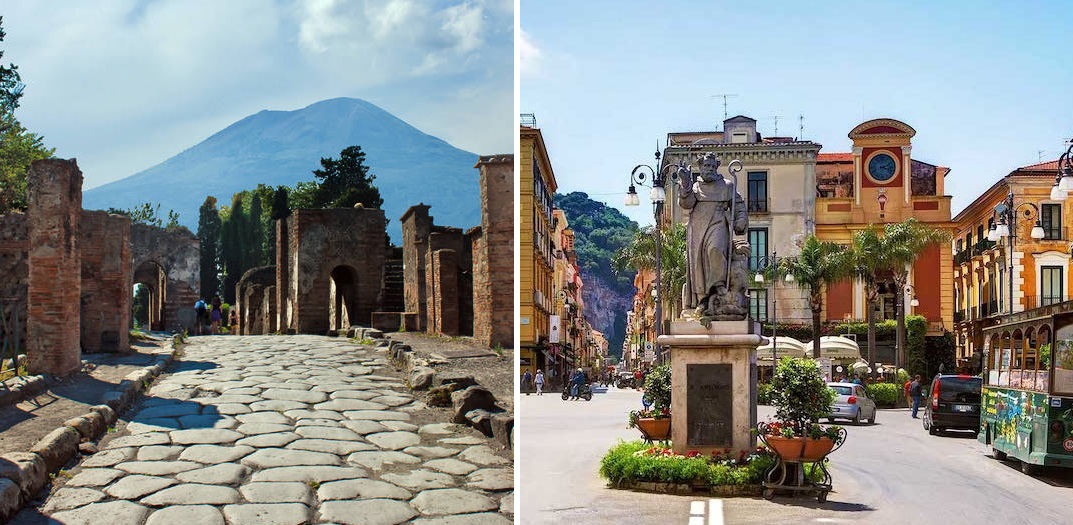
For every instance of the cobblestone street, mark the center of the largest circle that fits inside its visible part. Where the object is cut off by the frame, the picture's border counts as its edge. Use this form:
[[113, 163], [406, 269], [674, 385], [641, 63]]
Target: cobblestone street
[[284, 430]]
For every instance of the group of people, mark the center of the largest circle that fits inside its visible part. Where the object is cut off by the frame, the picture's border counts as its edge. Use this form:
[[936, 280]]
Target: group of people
[[528, 380], [211, 313]]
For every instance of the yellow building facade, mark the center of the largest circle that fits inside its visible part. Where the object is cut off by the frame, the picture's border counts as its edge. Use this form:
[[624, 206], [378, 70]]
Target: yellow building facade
[[536, 254], [982, 278]]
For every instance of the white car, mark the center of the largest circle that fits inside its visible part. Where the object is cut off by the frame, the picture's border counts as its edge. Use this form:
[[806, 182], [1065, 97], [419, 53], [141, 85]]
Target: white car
[[851, 402]]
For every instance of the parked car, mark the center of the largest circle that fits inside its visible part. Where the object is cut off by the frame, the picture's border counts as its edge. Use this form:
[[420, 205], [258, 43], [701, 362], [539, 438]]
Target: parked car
[[853, 403], [954, 403]]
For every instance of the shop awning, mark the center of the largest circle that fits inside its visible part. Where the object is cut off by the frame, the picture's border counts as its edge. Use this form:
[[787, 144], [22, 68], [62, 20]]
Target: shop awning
[[838, 347], [784, 347]]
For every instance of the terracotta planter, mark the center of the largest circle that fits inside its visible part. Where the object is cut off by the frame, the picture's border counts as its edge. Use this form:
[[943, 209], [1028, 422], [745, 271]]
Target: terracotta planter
[[800, 448], [655, 429]]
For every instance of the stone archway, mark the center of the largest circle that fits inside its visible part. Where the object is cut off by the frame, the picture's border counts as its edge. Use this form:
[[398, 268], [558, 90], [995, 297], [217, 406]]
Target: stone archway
[[152, 276]]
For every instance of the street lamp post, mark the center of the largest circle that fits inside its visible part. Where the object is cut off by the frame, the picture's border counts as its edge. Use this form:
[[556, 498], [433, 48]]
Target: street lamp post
[[771, 264], [658, 195], [1063, 180], [1006, 227]]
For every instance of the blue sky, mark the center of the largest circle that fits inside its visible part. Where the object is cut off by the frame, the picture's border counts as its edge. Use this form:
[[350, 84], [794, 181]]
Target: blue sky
[[985, 84], [122, 85]]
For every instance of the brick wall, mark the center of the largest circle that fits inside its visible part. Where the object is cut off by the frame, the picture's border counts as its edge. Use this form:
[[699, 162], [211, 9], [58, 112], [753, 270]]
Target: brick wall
[[177, 255], [493, 254], [249, 294], [55, 268], [107, 281], [14, 271], [443, 292], [416, 225]]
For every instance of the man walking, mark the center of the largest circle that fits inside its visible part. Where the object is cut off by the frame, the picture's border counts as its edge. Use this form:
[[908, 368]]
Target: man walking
[[526, 378], [916, 390], [540, 383]]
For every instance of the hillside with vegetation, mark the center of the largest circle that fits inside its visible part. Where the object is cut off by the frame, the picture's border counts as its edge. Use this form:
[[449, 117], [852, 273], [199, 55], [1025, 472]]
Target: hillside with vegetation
[[600, 231]]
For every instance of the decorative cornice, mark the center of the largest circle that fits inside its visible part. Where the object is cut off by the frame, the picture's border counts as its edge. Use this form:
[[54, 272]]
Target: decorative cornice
[[858, 132]]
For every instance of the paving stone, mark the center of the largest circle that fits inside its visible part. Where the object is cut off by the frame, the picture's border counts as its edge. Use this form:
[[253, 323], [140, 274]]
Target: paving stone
[[366, 512], [110, 457], [332, 446], [376, 415], [440, 428], [431, 452], [69, 498], [281, 457], [94, 477], [484, 518], [452, 501], [305, 413], [186, 515], [464, 440], [492, 479], [420, 479], [278, 439], [264, 417], [213, 454], [319, 422], [394, 440], [247, 390], [326, 433], [320, 474], [233, 408], [204, 436], [157, 468], [356, 370], [392, 400], [345, 392], [113, 512], [231, 398], [506, 504], [364, 427], [482, 455], [377, 459], [207, 421], [361, 489], [401, 425], [343, 404], [136, 486], [267, 514], [254, 429], [169, 410], [152, 425], [279, 405], [277, 492], [158, 452], [193, 494], [301, 396], [451, 466], [222, 474]]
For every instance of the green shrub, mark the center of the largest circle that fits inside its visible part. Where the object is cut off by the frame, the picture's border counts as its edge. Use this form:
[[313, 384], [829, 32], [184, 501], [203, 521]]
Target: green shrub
[[763, 393], [884, 394], [635, 461]]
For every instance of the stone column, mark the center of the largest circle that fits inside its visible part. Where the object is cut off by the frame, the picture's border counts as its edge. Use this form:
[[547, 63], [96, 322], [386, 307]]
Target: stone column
[[54, 210], [713, 385]]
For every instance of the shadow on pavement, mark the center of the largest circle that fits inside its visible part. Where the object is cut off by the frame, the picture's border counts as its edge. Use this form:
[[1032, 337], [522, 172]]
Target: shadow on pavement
[[811, 503]]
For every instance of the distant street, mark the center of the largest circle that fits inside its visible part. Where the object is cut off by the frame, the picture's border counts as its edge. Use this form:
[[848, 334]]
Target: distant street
[[893, 472]]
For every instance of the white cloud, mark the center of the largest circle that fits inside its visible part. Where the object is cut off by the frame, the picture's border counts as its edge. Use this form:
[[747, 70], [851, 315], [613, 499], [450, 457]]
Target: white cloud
[[530, 56]]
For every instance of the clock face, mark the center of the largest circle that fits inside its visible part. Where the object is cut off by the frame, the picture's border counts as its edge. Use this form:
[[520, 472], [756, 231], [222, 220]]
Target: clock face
[[882, 167]]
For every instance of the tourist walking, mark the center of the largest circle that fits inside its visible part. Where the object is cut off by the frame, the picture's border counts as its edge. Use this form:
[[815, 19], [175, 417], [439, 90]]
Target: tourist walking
[[917, 391], [202, 311], [540, 382], [217, 314], [526, 378]]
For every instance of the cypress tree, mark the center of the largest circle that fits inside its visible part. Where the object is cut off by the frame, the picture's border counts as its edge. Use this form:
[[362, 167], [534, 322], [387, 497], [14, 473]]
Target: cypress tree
[[208, 234]]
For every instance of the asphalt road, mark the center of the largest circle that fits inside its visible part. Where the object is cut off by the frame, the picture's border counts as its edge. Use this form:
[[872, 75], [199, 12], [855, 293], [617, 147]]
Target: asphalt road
[[892, 472]]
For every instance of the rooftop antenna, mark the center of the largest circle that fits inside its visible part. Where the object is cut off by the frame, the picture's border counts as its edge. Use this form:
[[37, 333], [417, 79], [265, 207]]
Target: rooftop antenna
[[776, 118], [725, 96], [1039, 154], [800, 127]]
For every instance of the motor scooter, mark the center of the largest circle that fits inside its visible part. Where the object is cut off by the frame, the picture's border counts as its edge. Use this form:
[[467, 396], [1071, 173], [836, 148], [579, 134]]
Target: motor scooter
[[583, 391]]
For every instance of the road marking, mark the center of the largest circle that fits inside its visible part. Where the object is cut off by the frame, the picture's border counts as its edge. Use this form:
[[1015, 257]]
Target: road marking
[[715, 512], [696, 513]]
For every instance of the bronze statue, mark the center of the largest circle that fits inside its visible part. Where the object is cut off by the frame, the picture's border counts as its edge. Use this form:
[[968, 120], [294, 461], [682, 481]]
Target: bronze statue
[[715, 279]]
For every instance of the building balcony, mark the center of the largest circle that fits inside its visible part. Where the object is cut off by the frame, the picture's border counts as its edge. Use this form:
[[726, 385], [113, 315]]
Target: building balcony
[[1036, 301], [959, 316]]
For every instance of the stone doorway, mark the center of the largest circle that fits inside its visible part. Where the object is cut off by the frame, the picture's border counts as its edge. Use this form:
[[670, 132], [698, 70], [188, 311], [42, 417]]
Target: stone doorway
[[343, 297], [152, 276]]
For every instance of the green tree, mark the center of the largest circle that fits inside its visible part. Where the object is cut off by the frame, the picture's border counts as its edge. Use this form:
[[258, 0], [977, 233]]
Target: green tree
[[346, 182], [18, 149], [233, 224], [869, 260], [150, 215], [208, 233], [905, 241], [640, 255], [255, 243], [820, 263], [10, 83]]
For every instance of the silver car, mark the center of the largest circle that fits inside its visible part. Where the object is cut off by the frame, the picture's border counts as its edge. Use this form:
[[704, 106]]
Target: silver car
[[851, 402]]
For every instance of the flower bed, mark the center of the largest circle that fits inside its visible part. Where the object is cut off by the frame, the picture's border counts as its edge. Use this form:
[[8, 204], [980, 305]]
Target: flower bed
[[634, 464]]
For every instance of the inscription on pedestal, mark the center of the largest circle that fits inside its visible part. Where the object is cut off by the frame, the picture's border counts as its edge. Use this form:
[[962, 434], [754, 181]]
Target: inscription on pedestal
[[709, 405]]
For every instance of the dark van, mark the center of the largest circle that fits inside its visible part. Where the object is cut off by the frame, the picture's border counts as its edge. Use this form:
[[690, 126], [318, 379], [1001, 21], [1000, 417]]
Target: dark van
[[954, 403]]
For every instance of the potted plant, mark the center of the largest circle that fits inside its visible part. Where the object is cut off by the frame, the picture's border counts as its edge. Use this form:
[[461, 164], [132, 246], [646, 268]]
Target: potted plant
[[654, 421], [800, 397]]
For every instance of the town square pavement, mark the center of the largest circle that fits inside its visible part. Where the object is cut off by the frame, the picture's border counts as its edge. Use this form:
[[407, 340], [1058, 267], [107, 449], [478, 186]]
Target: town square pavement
[[280, 430]]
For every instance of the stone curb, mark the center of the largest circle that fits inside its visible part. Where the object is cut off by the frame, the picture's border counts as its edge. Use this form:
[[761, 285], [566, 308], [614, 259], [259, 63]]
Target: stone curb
[[29, 387], [723, 491], [422, 376], [24, 474]]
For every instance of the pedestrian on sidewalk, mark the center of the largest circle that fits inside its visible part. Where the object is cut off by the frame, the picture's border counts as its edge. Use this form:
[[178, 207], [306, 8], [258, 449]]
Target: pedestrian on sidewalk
[[917, 391], [526, 378], [540, 383], [202, 311], [217, 314]]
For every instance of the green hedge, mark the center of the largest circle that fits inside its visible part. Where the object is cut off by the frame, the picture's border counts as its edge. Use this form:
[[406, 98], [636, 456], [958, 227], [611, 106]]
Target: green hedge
[[884, 394], [623, 464], [763, 394]]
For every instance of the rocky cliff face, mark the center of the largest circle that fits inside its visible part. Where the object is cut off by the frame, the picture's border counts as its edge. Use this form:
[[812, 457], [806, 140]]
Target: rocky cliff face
[[605, 310]]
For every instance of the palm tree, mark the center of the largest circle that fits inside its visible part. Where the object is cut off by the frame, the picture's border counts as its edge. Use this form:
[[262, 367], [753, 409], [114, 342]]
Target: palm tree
[[640, 255], [869, 261], [819, 264], [904, 242]]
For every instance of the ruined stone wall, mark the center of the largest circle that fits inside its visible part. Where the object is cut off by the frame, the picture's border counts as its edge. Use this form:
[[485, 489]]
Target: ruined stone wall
[[320, 242], [416, 225], [55, 268], [250, 293], [443, 293], [284, 308], [107, 281], [14, 272], [268, 306], [178, 253], [493, 254]]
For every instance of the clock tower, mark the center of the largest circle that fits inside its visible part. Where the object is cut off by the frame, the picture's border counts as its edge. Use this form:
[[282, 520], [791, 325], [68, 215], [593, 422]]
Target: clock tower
[[882, 167]]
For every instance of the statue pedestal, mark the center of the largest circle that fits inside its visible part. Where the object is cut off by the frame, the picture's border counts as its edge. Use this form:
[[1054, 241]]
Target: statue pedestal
[[713, 385]]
